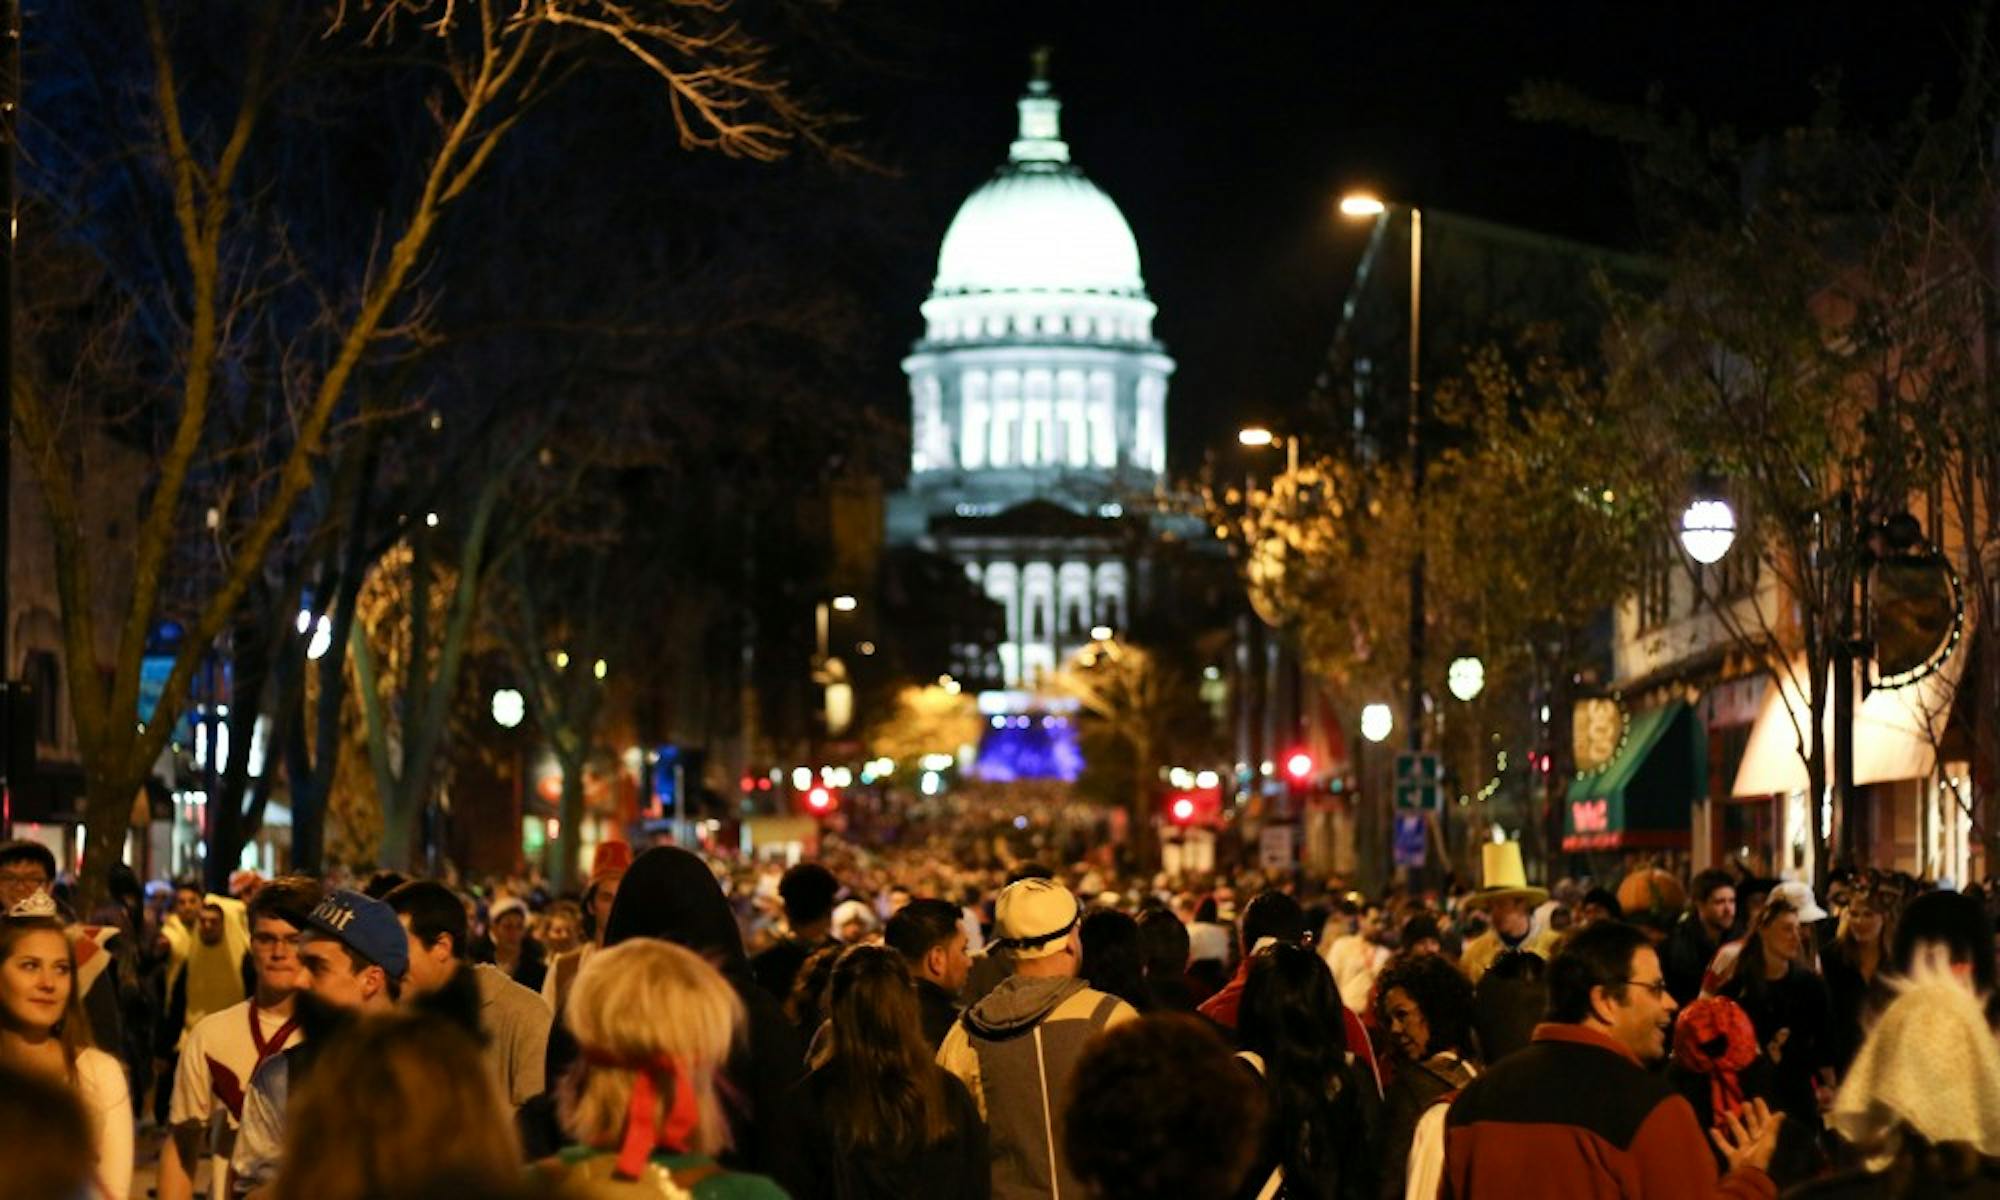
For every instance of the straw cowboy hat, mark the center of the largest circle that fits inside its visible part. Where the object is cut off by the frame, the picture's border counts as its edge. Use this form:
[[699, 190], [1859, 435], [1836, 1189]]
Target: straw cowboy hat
[[1500, 866]]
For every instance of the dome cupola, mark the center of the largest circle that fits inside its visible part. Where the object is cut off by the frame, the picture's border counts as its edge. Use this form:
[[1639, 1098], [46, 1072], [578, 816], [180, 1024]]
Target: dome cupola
[[1039, 226]]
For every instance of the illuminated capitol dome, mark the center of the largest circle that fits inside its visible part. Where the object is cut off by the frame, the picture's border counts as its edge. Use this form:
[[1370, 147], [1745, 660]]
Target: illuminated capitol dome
[[1038, 399]]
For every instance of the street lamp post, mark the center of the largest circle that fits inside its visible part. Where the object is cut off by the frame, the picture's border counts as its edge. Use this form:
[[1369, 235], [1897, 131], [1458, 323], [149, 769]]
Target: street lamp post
[[1257, 437], [1707, 532], [1361, 205], [1262, 437], [1373, 822], [837, 697]]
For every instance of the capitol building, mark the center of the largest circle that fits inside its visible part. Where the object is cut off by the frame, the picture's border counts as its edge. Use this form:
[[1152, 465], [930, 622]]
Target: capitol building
[[1038, 401]]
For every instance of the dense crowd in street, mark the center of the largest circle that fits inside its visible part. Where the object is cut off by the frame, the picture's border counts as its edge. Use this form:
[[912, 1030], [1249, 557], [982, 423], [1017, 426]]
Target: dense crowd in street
[[910, 1025]]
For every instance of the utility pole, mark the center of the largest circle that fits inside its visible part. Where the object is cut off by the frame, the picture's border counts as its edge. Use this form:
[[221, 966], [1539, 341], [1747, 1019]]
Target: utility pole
[[10, 114]]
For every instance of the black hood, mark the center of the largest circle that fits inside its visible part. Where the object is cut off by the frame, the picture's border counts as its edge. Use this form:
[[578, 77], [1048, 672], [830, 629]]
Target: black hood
[[672, 895]]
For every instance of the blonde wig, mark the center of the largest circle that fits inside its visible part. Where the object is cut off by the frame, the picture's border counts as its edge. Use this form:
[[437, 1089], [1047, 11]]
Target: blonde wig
[[646, 1001]]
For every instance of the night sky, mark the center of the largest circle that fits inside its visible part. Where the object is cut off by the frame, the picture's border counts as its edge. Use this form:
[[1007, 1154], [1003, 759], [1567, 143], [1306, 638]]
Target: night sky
[[1225, 132]]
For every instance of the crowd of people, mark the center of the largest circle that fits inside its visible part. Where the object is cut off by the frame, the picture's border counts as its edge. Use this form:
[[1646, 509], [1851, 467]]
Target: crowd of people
[[911, 1024]]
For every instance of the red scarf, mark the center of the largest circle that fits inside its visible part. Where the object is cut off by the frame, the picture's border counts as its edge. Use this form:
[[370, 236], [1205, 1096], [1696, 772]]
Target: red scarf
[[645, 1129], [1701, 1023], [264, 1046]]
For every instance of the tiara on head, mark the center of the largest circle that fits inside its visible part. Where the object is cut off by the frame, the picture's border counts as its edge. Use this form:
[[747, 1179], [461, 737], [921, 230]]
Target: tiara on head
[[38, 904]]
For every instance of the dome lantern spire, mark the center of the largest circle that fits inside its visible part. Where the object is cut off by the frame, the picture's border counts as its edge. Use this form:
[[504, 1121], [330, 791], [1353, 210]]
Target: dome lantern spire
[[1040, 138]]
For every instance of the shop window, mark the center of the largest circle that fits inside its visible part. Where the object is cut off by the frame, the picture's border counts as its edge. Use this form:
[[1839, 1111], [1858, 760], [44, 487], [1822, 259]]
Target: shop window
[[1656, 590]]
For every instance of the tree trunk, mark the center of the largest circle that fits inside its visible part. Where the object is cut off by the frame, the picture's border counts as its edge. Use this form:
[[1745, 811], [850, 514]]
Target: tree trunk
[[1816, 773], [1145, 837], [569, 842], [400, 850], [107, 819], [1986, 729], [231, 824]]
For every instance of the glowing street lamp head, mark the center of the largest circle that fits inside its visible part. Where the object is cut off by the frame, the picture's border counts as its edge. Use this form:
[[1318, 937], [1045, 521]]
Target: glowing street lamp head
[[1466, 677], [1362, 204], [1255, 435], [845, 604], [1377, 722], [322, 638], [1708, 529], [509, 707]]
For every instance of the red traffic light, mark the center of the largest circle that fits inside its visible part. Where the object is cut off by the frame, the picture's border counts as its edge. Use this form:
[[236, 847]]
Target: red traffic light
[[1299, 766], [1182, 810], [819, 800]]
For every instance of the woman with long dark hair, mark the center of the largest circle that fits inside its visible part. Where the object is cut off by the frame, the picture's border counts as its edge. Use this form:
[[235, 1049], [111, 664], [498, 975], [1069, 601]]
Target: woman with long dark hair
[[1790, 1009], [1855, 967], [1114, 960], [1290, 1029], [885, 1120]]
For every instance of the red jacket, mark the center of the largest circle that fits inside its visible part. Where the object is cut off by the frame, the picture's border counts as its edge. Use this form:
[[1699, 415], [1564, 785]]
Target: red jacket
[[1573, 1114], [1222, 1007]]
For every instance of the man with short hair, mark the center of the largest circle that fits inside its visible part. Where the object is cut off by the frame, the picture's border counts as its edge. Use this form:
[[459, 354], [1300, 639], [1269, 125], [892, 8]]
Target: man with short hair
[[509, 946], [514, 1020], [1357, 954], [26, 867], [224, 1049], [928, 936], [1578, 1112], [354, 954], [808, 892], [1709, 922], [1016, 1048]]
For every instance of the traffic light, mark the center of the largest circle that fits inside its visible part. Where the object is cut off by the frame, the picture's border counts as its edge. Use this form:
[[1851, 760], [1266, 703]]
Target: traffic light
[[820, 800], [1299, 767], [1181, 809]]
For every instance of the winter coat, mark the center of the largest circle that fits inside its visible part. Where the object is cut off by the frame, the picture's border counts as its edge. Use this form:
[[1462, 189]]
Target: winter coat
[[1015, 1051], [1577, 1115]]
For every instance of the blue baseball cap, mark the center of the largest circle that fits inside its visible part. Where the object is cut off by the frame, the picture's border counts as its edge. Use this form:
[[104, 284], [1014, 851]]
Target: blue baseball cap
[[368, 927]]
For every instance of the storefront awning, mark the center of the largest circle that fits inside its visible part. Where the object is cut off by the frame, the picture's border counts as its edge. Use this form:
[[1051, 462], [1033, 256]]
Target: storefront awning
[[1640, 799], [1896, 731]]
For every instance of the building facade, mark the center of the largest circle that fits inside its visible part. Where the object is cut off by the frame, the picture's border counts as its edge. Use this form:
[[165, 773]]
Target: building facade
[[1751, 803], [1038, 401]]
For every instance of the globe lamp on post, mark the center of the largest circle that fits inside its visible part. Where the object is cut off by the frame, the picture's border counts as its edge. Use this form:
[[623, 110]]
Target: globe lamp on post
[[509, 707], [1708, 529], [1377, 722], [1466, 677]]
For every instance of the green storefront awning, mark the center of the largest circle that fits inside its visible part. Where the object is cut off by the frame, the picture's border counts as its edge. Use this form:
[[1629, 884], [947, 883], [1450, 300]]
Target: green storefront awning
[[1642, 798]]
